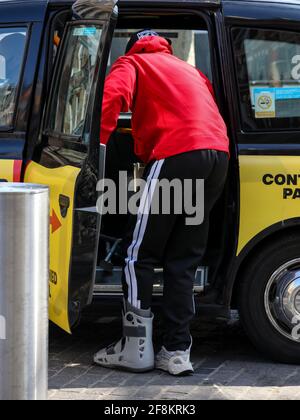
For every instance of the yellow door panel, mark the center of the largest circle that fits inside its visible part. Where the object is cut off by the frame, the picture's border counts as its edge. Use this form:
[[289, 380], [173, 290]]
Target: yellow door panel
[[269, 193], [10, 170], [61, 182]]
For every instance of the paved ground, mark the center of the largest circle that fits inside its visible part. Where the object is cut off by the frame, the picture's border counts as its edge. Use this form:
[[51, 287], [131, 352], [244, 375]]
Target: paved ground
[[227, 367]]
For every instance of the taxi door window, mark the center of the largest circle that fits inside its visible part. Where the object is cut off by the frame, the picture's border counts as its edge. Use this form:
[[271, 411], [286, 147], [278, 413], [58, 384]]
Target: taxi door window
[[268, 73], [72, 91], [12, 47], [191, 46]]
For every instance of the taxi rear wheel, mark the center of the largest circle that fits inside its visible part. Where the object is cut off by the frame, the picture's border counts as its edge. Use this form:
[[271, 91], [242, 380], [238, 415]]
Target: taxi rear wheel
[[269, 299]]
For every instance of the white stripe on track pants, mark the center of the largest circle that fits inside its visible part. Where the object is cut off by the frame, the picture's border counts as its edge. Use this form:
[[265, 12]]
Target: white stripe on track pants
[[165, 240]]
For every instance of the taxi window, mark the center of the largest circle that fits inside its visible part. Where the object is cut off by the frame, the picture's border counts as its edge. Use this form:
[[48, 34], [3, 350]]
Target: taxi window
[[268, 72], [12, 46], [72, 91], [191, 46]]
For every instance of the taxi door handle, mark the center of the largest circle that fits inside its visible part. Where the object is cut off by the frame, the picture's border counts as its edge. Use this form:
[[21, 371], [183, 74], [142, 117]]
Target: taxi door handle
[[64, 205]]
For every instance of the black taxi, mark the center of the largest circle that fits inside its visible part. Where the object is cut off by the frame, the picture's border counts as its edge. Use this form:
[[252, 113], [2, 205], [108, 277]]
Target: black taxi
[[54, 57]]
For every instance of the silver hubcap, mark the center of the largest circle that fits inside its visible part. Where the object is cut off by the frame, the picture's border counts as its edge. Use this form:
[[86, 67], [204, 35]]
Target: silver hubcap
[[282, 300]]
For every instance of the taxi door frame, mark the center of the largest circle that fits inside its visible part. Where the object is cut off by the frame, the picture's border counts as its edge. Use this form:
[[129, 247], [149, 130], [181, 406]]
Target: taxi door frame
[[83, 206]]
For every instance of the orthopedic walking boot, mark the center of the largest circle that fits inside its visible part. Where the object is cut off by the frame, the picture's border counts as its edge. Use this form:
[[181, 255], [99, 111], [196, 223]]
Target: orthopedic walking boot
[[176, 363], [134, 352]]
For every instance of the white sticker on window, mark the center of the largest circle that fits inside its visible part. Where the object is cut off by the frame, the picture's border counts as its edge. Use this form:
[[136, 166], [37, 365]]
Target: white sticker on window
[[265, 104]]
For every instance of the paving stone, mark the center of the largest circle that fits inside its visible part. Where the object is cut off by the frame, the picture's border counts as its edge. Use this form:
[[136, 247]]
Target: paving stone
[[227, 367]]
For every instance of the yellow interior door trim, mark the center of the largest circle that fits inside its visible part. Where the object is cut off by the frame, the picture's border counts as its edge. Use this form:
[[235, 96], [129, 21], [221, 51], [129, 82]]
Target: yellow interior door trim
[[61, 181]]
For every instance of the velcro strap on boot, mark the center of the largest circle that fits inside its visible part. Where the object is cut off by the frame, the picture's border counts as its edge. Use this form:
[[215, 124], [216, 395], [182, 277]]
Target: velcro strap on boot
[[137, 332]]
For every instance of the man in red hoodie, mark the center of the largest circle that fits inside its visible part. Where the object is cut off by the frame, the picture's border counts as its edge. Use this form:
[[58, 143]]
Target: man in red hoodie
[[179, 133]]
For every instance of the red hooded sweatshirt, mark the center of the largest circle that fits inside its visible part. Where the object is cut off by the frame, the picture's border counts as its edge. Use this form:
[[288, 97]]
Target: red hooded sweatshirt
[[172, 103]]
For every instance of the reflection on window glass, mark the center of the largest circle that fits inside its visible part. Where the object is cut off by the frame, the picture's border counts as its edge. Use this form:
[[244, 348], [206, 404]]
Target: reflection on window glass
[[12, 45], [189, 45], [72, 93], [274, 86], [268, 66]]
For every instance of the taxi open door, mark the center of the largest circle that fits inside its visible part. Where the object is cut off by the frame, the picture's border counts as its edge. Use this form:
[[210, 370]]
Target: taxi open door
[[70, 159]]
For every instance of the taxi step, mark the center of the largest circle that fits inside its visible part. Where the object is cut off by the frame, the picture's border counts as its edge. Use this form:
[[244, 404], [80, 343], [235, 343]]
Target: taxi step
[[109, 282]]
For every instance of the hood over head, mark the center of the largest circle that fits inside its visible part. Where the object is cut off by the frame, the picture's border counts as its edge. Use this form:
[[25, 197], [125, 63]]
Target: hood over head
[[151, 44]]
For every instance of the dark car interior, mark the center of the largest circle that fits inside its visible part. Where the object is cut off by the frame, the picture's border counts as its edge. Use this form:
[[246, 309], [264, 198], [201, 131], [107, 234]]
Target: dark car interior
[[191, 40]]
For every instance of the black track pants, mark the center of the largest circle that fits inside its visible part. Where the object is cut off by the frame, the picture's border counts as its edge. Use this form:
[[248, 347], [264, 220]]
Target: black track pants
[[166, 240]]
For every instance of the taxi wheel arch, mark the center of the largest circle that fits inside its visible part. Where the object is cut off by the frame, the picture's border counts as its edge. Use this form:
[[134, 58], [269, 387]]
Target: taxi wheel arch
[[254, 280]]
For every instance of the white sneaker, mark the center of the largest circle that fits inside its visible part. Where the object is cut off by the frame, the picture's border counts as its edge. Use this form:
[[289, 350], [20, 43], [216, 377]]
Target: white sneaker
[[176, 363]]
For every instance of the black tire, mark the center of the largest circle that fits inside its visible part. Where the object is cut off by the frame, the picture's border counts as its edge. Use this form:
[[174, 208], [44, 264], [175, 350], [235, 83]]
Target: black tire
[[251, 299]]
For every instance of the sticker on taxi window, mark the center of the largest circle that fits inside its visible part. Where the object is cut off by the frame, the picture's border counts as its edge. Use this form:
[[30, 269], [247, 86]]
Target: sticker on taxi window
[[265, 104], [276, 102], [90, 31]]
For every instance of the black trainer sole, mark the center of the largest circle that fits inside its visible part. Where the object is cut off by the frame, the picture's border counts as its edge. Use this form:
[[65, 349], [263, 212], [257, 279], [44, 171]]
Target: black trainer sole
[[181, 374]]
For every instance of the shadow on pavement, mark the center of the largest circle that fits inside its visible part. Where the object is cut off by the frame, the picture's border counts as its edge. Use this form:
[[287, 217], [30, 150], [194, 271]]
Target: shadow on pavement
[[222, 355]]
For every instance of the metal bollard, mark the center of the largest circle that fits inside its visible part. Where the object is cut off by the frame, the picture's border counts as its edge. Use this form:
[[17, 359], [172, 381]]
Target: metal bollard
[[24, 272]]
